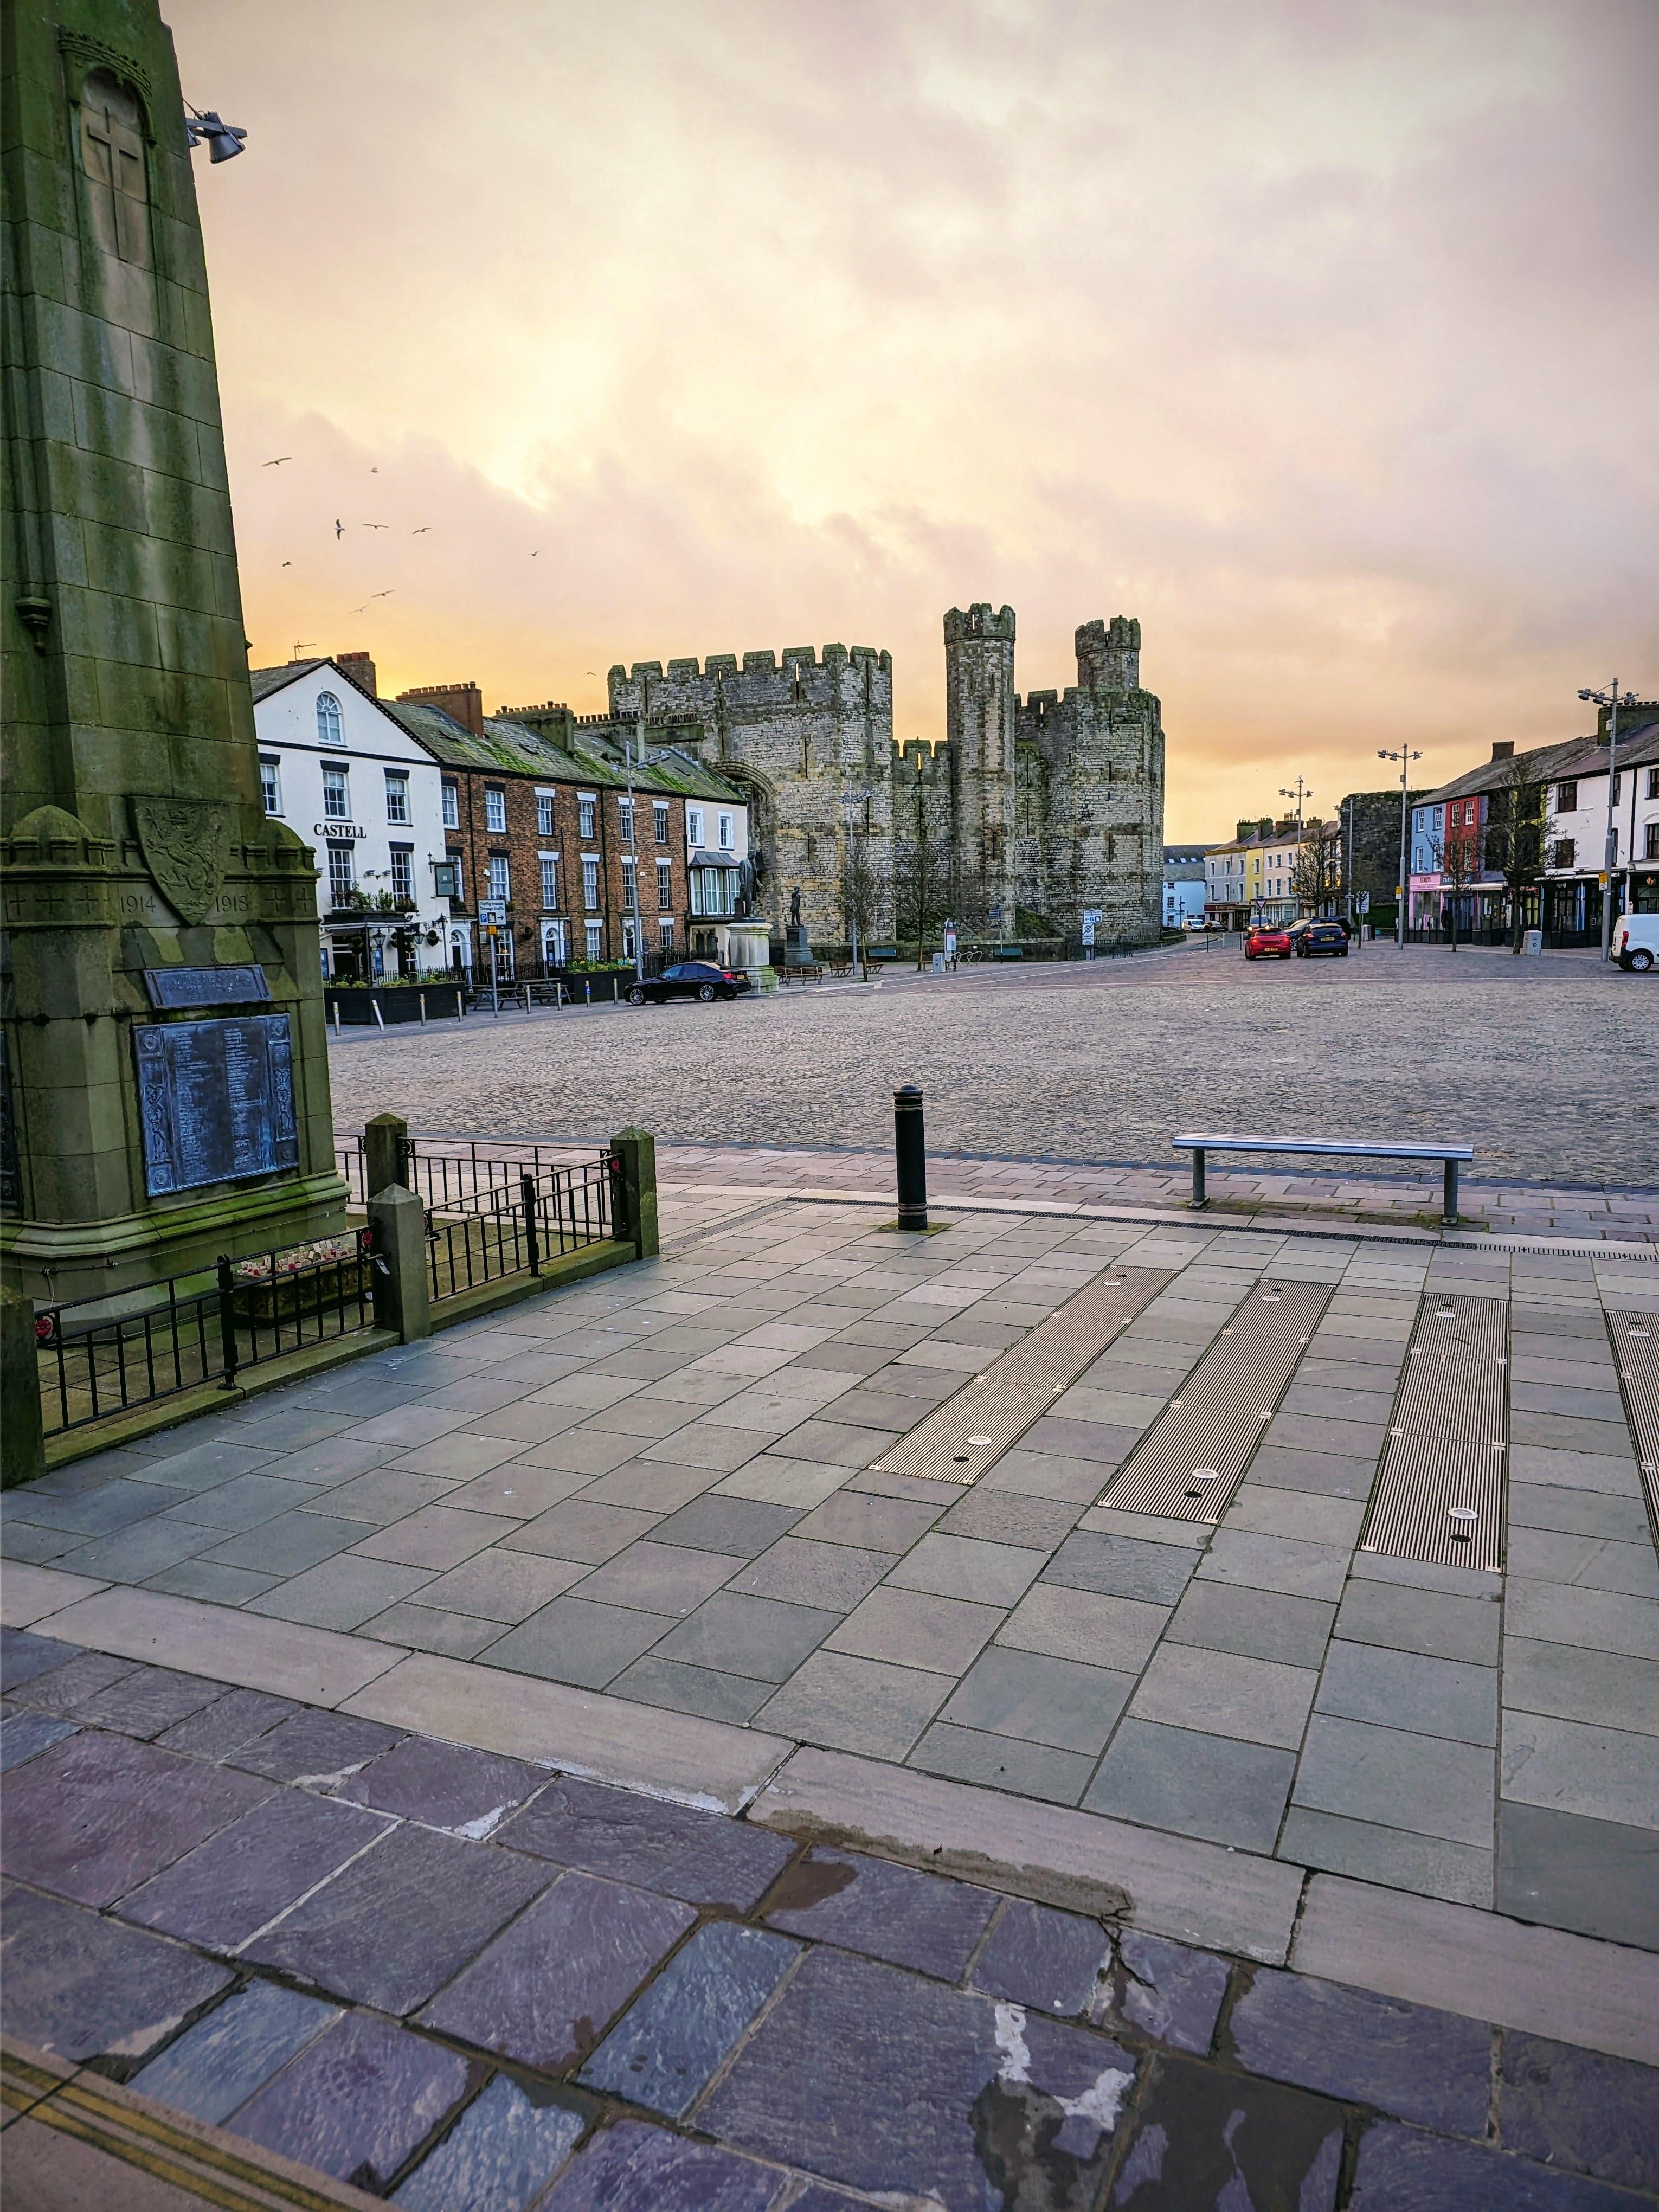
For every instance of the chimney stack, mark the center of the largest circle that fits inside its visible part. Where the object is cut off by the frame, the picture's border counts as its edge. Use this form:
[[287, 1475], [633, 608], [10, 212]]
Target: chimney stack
[[1502, 748], [463, 703], [360, 668]]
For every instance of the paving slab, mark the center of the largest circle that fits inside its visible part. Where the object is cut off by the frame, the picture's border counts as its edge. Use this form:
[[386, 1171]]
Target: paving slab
[[229, 1888], [1601, 1997], [932, 2092], [399, 1919], [1054, 1961], [1174, 1886], [283, 1658], [1597, 1876], [96, 1814], [83, 1987], [675, 1755], [544, 1991], [356, 2101], [218, 2064], [1194, 1784], [1432, 2067], [1198, 2139]]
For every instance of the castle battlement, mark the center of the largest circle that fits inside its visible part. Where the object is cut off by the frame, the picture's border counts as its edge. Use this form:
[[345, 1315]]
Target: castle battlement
[[979, 622], [762, 663]]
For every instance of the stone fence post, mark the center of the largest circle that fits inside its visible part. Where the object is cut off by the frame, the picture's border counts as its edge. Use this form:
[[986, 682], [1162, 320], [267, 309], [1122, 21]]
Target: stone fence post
[[22, 1451], [386, 1157], [403, 1294], [637, 1193]]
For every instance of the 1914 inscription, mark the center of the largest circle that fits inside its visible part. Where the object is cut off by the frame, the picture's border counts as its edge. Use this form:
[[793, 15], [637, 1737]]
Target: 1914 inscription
[[216, 1100]]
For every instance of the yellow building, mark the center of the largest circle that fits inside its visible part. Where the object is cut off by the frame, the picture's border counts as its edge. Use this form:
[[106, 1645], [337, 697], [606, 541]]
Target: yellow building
[[1254, 877]]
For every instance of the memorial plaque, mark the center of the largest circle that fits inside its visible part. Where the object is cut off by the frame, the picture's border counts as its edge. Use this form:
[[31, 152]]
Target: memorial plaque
[[207, 987], [216, 1100]]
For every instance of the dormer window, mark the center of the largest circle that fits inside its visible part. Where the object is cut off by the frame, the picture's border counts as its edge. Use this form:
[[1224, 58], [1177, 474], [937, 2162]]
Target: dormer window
[[330, 730]]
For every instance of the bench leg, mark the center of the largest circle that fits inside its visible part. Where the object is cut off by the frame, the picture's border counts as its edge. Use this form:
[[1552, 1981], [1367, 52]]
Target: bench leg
[[1449, 1206], [1198, 1177]]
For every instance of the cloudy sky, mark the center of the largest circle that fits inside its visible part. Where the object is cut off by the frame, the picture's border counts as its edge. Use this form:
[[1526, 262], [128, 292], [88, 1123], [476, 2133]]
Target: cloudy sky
[[1321, 335]]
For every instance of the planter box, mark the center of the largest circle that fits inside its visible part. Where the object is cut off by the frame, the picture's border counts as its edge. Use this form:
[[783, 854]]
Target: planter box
[[397, 1002]]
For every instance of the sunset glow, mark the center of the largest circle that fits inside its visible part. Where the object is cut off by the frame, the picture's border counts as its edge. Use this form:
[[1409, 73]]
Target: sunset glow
[[1321, 339]]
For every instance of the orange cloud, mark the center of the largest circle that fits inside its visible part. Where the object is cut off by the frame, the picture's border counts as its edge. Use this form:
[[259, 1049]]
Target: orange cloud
[[1321, 339]]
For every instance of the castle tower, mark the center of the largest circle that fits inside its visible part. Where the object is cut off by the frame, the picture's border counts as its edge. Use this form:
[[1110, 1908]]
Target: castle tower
[[164, 1083], [979, 720], [1109, 655]]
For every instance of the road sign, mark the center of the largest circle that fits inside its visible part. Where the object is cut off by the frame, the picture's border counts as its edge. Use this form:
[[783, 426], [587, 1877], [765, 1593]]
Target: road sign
[[493, 911], [1087, 929]]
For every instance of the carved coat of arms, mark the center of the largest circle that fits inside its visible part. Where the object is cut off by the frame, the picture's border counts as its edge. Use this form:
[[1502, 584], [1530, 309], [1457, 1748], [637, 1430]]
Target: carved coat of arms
[[186, 843]]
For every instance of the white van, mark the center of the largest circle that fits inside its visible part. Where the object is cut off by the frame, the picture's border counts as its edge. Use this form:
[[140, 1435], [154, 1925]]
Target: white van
[[1636, 941]]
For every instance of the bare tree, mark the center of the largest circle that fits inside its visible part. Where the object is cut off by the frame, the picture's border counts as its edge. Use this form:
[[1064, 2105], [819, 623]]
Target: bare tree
[[1516, 815], [920, 872], [1316, 870], [860, 886], [1457, 860]]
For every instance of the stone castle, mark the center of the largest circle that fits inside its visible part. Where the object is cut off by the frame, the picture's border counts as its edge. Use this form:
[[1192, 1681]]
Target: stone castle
[[1031, 814]]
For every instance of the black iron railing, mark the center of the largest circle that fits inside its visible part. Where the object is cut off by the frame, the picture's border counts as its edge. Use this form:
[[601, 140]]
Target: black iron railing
[[443, 1177], [516, 1228], [104, 1355]]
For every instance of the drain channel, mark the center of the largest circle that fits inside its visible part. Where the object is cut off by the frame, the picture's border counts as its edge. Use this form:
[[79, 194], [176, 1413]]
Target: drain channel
[[959, 1440], [1195, 1452], [1635, 1349], [1440, 1492]]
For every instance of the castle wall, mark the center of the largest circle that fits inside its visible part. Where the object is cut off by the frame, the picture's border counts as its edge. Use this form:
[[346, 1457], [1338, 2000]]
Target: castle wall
[[1029, 814], [804, 735]]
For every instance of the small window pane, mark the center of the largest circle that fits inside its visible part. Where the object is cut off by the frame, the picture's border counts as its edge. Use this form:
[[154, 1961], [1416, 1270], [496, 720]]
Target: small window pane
[[329, 730]]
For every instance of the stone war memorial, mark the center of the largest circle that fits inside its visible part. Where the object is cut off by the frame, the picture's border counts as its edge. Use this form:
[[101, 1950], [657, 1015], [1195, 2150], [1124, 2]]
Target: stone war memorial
[[165, 1081]]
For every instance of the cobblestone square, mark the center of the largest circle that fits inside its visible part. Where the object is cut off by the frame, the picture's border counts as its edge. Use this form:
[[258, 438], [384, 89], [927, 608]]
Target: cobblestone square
[[1534, 1062]]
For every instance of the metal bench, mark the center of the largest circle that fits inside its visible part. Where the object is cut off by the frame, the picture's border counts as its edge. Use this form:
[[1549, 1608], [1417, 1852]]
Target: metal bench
[[1198, 1143]]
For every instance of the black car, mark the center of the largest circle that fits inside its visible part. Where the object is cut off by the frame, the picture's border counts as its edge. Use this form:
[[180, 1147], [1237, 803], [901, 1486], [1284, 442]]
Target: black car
[[692, 979], [1311, 938]]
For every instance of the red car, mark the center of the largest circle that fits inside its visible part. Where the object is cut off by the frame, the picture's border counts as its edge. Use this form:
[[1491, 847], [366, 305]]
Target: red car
[[1266, 942]]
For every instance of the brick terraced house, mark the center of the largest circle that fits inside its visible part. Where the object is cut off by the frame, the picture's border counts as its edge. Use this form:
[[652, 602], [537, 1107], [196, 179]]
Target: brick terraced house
[[538, 817]]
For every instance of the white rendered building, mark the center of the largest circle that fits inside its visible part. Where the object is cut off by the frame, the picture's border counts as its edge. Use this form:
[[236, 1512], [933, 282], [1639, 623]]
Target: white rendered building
[[349, 778]]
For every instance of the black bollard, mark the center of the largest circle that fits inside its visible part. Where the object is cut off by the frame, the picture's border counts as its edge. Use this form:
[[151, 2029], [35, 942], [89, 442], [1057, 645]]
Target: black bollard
[[910, 1153]]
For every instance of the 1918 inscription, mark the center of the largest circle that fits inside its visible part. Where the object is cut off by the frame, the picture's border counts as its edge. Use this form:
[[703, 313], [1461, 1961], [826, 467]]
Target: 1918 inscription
[[216, 1100]]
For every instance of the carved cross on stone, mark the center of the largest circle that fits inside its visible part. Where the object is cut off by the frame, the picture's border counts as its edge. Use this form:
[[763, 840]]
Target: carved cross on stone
[[113, 150]]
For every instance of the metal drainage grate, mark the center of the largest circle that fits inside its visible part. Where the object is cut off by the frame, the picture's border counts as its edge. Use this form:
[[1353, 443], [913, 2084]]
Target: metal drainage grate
[[959, 1440], [1440, 1492], [1197, 1449], [1636, 1348]]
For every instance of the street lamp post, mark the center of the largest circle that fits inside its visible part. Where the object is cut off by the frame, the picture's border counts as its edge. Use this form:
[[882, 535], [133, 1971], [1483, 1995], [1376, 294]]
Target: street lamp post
[[1300, 793], [1405, 757], [1609, 699]]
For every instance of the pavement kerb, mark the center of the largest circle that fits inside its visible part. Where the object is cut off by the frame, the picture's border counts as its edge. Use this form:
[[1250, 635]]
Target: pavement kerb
[[1348, 1232]]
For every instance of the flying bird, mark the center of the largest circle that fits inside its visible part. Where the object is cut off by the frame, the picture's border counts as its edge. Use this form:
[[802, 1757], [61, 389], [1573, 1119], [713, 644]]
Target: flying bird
[[382, 595], [277, 462], [287, 564], [377, 525], [339, 527], [422, 531]]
